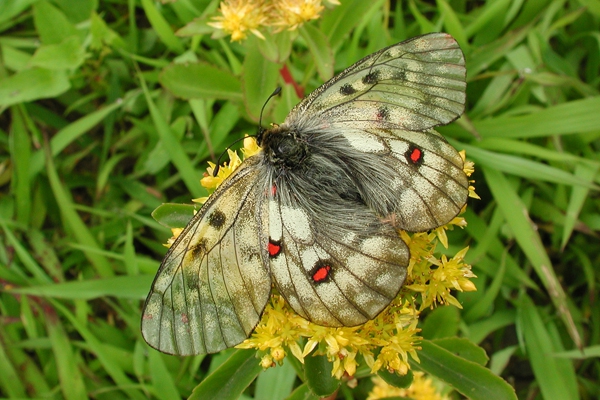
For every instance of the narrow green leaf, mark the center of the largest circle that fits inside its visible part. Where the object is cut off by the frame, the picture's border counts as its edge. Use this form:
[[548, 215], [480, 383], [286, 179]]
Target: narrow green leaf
[[126, 287], [112, 368], [73, 220], [577, 116], [338, 22], [162, 28], [20, 152], [453, 25], [319, 48], [259, 78], [71, 381], [164, 386], [469, 378], [485, 303], [318, 375], [527, 236], [24, 255], [70, 133], [586, 352], [176, 152], [555, 376], [523, 167], [10, 381], [231, 378], [579, 195]]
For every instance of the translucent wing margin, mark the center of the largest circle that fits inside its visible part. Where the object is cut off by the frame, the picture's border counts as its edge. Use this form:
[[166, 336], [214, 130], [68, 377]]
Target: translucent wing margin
[[212, 286], [414, 85]]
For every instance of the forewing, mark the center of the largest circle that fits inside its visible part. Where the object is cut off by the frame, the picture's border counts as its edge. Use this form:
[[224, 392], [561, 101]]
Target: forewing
[[414, 85], [212, 286], [331, 275]]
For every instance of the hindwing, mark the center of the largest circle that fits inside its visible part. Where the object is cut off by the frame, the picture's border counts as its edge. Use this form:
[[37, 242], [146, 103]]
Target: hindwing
[[213, 285], [328, 271]]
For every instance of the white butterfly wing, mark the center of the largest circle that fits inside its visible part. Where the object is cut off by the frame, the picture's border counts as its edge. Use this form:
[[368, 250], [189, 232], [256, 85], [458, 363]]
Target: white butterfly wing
[[384, 107], [329, 272], [212, 286], [414, 85], [416, 179]]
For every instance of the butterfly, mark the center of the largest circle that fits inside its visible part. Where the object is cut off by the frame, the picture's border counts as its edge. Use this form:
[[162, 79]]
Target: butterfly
[[315, 213]]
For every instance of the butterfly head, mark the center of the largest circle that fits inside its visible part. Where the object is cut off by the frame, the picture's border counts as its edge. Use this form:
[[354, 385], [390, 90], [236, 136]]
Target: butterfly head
[[283, 147]]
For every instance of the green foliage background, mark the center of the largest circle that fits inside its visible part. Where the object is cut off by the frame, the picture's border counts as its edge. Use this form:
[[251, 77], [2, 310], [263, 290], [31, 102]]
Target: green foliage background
[[105, 113]]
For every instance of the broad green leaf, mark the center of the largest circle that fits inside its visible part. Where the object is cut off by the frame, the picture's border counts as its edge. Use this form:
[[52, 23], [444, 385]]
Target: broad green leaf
[[10, 9], [32, 84], [441, 322], [464, 348], [399, 381], [231, 379], [51, 23], [469, 378], [200, 80], [318, 375], [68, 54], [302, 392]]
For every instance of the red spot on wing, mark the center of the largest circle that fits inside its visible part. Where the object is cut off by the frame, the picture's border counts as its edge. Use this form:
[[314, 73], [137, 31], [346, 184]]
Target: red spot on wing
[[416, 155], [274, 248], [273, 190], [321, 273]]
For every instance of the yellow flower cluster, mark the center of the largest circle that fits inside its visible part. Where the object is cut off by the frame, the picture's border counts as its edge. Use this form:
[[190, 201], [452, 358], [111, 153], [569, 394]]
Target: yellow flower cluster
[[385, 342], [240, 17], [421, 388]]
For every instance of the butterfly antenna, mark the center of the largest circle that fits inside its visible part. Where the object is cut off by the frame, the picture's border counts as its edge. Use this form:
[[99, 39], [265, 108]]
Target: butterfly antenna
[[261, 130], [258, 136]]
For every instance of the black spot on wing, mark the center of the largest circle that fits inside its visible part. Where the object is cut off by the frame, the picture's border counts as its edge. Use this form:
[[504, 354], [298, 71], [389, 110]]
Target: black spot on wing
[[217, 219], [347, 89], [371, 78]]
